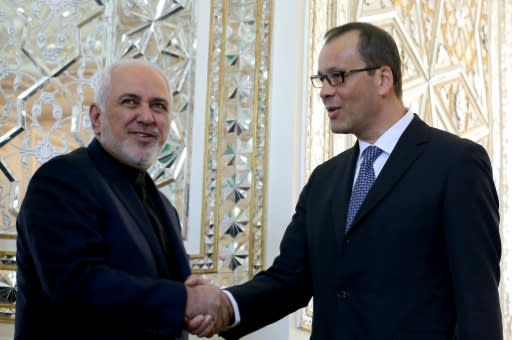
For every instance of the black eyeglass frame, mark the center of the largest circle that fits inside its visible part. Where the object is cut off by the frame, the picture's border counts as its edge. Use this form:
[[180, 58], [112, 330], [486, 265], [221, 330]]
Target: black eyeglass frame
[[341, 74]]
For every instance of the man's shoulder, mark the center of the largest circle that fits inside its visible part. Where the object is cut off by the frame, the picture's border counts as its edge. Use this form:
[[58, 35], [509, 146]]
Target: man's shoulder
[[446, 140], [437, 136]]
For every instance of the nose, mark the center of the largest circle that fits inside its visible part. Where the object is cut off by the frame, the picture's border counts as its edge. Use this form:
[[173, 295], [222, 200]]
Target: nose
[[146, 115], [326, 90]]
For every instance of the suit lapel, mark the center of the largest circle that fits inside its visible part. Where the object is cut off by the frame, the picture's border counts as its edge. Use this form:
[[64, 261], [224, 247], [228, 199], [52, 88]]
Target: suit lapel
[[127, 195], [178, 257], [341, 191], [410, 146]]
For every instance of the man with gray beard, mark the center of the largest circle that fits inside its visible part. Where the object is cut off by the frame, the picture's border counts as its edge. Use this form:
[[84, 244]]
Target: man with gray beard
[[99, 248]]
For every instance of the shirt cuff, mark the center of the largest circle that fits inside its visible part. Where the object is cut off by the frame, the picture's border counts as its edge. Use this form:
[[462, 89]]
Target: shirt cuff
[[236, 311]]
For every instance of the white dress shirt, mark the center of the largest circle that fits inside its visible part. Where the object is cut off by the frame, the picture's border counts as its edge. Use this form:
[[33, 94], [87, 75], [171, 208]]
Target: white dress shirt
[[386, 143]]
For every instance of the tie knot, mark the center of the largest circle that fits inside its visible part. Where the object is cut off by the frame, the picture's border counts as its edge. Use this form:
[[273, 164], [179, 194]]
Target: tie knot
[[370, 154]]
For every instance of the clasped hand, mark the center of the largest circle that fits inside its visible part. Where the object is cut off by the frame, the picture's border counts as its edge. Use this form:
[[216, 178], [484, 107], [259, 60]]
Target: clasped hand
[[208, 309]]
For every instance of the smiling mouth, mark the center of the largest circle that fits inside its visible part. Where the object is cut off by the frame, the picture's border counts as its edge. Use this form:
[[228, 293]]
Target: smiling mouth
[[145, 136]]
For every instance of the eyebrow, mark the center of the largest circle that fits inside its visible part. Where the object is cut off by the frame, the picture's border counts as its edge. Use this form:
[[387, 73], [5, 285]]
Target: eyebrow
[[129, 95], [138, 97], [332, 70]]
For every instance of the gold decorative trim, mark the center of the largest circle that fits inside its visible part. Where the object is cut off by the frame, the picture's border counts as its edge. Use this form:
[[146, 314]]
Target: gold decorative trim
[[235, 156], [7, 270]]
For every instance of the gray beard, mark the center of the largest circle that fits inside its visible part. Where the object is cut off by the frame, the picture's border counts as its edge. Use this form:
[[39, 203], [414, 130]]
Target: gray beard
[[122, 150]]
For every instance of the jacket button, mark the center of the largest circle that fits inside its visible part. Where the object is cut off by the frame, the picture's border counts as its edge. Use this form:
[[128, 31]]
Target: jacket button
[[343, 294]]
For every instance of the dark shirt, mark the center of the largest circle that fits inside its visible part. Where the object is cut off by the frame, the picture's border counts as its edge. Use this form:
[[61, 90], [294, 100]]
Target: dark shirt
[[148, 196]]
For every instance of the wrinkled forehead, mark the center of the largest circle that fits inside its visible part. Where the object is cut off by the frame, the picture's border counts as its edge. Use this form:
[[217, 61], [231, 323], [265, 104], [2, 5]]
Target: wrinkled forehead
[[139, 79]]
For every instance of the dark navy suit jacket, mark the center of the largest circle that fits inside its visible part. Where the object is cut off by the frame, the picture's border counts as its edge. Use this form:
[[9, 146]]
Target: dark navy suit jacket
[[420, 262], [89, 263]]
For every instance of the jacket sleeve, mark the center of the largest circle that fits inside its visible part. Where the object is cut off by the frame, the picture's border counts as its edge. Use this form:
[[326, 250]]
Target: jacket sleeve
[[472, 240], [283, 287]]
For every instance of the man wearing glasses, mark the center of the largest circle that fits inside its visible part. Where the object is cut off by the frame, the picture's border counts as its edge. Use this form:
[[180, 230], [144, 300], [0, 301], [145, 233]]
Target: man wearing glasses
[[394, 238]]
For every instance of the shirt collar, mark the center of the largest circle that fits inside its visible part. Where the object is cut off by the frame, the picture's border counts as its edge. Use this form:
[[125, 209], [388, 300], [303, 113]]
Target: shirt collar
[[388, 140]]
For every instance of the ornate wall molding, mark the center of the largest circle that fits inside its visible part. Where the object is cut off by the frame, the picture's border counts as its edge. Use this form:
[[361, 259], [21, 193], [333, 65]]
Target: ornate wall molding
[[52, 50], [234, 183]]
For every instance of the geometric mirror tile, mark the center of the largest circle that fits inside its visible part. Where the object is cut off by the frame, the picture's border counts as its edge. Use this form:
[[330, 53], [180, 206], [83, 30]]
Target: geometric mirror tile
[[236, 128], [7, 285], [52, 52]]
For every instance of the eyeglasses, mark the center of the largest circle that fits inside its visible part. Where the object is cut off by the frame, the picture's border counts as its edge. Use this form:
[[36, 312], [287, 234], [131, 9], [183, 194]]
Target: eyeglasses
[[336, 78]]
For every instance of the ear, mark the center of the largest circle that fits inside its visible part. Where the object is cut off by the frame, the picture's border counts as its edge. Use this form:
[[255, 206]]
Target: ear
[[94, 116], [385, 80]]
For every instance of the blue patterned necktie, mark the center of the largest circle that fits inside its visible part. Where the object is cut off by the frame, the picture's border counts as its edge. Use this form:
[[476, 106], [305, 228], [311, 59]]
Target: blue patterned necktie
[[364, 182]]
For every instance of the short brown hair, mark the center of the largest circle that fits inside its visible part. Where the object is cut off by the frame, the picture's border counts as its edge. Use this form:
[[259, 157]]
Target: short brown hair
[[376, 46]]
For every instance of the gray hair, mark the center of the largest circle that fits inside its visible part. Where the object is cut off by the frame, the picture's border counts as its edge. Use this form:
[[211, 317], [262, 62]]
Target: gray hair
[[102, 81]]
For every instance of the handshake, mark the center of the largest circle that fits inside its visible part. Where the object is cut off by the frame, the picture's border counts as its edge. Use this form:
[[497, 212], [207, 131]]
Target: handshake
[[208, 310]]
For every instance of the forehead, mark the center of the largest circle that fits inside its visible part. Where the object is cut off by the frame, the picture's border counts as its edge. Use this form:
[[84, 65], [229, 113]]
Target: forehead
[[138, 79], [341, 52]]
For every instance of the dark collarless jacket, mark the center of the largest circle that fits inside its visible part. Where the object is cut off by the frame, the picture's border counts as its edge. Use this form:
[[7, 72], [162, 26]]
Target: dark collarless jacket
[[89, 263], [421, 261]]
